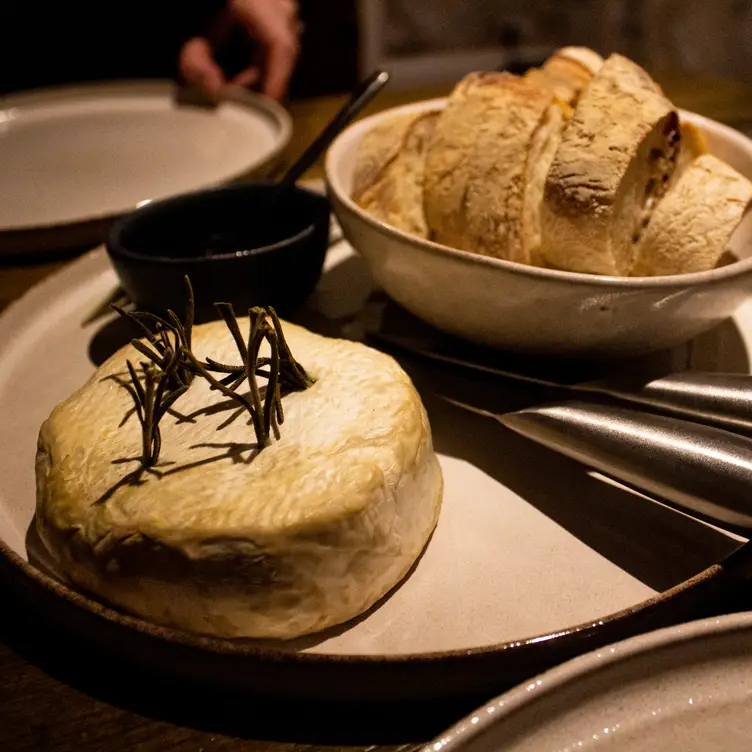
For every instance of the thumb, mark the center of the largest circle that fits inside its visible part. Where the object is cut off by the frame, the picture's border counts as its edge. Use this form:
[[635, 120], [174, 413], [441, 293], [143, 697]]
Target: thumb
[[198, 67]]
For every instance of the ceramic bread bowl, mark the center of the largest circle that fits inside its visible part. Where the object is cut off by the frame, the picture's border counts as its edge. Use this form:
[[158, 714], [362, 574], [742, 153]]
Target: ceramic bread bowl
[[534, 310]]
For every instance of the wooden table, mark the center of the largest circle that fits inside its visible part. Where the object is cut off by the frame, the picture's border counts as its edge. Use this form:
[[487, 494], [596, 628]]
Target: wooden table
[[57, 693]]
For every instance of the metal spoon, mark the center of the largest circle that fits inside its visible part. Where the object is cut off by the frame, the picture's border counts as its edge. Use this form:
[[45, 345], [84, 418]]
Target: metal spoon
[[266, 232], [359, 99]]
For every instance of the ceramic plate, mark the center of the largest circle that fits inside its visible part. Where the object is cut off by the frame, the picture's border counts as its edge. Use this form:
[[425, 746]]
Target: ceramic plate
[[684, 688], [72, 157], [534, 559]]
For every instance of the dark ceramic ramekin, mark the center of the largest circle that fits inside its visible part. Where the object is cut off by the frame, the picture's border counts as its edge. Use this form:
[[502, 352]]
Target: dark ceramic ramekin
[[232, 244]]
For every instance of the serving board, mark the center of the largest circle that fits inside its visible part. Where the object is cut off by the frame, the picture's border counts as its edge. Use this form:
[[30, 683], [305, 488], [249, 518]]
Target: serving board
[[534, 559]]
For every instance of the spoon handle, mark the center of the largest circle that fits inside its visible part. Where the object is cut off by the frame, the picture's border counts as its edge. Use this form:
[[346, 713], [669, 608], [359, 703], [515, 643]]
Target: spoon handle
[[359, 99]]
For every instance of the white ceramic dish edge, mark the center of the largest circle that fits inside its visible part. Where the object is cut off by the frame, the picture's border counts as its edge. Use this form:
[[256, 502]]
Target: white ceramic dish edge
[[512, 306], [112, 89], [462, 734]]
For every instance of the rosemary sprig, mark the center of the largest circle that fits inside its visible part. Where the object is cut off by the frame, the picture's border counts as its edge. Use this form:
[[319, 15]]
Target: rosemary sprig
[[162, 350], [283, 372], [172, 366], [152, 400]]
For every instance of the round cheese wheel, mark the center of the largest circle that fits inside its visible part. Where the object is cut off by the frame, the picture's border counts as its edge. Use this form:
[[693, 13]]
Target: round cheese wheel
[[223, 539]]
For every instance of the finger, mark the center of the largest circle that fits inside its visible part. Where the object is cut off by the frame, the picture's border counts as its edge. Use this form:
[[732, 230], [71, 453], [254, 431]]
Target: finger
[[247, 77], [280, 57], [198, 67], [274, 25]]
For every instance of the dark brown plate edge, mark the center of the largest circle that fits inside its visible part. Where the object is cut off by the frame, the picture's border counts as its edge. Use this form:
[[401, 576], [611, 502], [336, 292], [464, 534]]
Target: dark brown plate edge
[[236, 665]]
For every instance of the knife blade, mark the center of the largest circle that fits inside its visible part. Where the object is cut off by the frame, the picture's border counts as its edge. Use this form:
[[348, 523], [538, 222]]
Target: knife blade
[[701, 469]]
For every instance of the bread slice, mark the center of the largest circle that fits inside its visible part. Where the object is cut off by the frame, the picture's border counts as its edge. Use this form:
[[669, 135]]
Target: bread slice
[[486, 165], [693, 144], [587, 59], [219, 539], [617, 153], [692, 225], [388, 177], [566, 73]]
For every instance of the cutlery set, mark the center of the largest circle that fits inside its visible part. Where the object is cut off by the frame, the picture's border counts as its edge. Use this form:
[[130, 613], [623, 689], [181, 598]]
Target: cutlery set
[[684, 438]]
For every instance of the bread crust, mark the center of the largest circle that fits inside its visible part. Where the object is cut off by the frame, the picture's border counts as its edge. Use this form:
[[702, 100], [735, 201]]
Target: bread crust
[[616, 154], [691, 226], [477, 173], [388, 177]]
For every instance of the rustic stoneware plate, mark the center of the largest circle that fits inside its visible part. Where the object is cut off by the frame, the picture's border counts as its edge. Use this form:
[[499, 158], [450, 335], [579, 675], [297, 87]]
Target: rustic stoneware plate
[[74, 158], [534, 559], [681, 688]]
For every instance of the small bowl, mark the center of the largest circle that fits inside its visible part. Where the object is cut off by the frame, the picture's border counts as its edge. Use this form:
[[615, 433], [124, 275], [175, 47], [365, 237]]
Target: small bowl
[[525, 309], [254, 260]]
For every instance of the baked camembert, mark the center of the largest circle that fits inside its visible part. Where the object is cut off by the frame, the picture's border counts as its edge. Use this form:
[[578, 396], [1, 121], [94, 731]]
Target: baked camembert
[[220, 538]]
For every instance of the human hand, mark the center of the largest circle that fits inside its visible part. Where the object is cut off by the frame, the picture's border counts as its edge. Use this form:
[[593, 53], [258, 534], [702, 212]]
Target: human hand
[[272, 24]]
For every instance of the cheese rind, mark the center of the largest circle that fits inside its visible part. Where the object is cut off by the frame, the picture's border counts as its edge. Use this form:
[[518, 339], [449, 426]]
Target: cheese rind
[[306, 534]]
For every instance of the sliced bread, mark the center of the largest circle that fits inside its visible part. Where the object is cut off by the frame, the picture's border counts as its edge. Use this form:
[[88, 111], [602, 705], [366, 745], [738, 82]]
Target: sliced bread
[[486, 166], [566, 73], [617, 154], [388, 177], [692, 225]]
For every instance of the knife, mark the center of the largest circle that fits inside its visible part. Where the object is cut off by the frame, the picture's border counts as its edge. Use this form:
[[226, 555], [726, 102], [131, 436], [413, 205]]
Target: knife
[[701, 469], [722, 400]]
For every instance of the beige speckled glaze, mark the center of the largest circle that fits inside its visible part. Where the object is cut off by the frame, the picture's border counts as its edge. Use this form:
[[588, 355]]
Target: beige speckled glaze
[[534, 560], [74, 157], [684, 688], [527, 309]]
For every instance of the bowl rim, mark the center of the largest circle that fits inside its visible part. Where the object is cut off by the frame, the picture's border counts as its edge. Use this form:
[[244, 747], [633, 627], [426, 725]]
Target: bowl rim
[[548, 685], [665, 282], [117, 249], [50, 95]]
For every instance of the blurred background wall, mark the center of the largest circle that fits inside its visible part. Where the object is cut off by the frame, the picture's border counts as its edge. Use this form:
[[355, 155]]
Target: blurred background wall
[[421, 41], [425, 40]]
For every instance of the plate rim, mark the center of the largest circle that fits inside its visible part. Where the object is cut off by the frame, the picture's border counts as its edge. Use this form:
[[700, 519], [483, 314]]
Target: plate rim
[[242, 647], [736, 565], [249, 100], [488, 668], [553, 681]]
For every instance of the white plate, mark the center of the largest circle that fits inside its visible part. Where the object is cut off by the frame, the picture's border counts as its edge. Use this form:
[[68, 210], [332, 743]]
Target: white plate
[[685, 688], [78, 154], [528, 543]]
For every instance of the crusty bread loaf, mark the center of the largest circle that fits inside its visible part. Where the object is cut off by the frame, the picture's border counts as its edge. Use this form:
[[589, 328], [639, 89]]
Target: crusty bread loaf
[[388, 177], [220, 538], [566, 73], [692, 224], [486, 165], [616, 156]]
